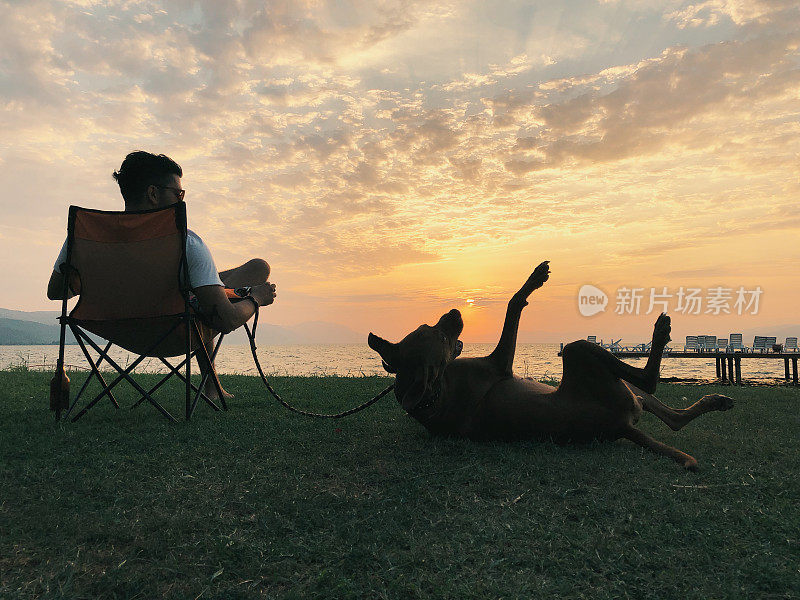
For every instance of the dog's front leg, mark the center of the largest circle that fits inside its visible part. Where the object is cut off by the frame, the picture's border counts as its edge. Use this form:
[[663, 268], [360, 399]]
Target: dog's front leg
[[503, 354]]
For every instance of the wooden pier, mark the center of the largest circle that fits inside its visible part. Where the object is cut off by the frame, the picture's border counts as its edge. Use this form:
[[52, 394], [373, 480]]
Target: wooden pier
[[729, 364]]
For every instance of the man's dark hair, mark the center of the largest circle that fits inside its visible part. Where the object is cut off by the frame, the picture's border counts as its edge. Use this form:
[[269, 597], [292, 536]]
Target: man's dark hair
[[140, 170]]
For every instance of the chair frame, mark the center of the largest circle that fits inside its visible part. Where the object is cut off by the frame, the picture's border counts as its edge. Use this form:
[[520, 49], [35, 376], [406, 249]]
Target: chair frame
[[187, 317]]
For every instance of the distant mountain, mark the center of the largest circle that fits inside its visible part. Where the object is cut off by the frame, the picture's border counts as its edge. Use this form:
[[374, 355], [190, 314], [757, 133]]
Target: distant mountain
[[322, 332], [311, 332], [18, 327], [48, 317], [266, 335], [16, 332]]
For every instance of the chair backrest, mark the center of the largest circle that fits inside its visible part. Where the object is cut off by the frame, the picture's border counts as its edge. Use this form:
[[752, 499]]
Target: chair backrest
[[722, 343], [691, 342], [791, 343], [592, 338], [128, 262], [735, 340], [710, 342], [759, 342], [129, 265]]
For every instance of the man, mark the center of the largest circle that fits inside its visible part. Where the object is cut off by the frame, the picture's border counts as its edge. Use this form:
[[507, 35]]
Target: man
[[147, 181]]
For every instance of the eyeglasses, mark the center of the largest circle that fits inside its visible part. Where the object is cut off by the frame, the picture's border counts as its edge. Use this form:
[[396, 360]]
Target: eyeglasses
[[179, 194]]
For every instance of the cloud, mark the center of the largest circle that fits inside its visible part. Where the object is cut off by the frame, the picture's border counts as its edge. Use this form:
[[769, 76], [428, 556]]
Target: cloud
[[741, 12], [661, 102], [287, 32], [343, 141]]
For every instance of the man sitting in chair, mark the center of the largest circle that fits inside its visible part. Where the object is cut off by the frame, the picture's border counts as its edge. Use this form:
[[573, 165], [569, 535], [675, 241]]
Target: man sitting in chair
[[147, 181]]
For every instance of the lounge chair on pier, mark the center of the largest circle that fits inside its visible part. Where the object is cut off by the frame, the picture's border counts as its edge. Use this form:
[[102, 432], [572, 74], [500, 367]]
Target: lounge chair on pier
[[735, 343], [760, 343], [691, 343], [709, 342], [790, 345], [722, 344], [592, 338]]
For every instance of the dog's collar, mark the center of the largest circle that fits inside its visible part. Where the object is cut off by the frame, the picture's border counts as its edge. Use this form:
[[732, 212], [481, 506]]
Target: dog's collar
[[428, 401]]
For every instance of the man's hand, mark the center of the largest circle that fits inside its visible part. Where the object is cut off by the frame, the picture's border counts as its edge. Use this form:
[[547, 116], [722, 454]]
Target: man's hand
[[264, 294], [224, 315]]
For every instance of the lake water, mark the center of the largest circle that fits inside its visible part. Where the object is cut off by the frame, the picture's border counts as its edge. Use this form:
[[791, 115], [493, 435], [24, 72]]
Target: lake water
[[532, 360]]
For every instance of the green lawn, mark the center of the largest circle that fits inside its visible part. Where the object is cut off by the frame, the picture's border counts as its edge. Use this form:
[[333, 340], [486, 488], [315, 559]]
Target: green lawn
[[258, 502]]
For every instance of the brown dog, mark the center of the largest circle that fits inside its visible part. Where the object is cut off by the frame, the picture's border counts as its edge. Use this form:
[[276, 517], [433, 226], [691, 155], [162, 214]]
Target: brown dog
[[600, 397]]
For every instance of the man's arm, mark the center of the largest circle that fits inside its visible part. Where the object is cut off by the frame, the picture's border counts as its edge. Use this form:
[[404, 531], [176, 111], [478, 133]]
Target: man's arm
[[224, 315], [55, 287]]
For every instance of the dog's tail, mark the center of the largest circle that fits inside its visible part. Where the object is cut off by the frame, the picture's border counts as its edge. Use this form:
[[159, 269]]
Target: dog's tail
[[637, 436]]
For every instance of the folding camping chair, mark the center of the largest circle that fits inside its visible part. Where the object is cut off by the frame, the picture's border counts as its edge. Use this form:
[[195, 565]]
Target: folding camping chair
[[133, 294]]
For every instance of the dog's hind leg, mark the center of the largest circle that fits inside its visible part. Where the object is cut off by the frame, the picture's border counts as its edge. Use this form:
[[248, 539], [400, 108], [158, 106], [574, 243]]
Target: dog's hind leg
[[642, 439], [676, 418], [503, 355], [646, 378]]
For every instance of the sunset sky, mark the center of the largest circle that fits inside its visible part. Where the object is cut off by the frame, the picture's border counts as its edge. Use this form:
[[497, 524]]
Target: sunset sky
[[395, 159]]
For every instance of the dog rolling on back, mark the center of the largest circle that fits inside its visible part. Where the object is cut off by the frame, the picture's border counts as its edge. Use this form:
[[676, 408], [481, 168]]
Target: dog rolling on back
[[599, 397]]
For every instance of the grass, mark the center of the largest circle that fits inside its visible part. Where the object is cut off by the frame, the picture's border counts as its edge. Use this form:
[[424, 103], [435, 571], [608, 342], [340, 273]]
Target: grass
[[258, 502]]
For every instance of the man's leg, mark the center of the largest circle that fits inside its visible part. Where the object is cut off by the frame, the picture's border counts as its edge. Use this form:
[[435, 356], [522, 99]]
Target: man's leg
[[210, 389], [253, 272]]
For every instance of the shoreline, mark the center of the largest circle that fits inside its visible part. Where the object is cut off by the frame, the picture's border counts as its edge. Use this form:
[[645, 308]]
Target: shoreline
[[679, 381]]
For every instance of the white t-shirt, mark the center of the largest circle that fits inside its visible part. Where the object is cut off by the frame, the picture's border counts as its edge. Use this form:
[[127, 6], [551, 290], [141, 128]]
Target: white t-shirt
[[202, 270]]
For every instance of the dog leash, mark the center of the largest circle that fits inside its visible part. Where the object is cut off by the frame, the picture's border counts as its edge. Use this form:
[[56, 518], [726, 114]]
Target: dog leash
[[251, 336]]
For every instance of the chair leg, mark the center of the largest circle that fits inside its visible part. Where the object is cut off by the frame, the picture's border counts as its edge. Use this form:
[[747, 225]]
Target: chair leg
[[175, 370], [79, 336], [205, 378], [123, 374], [203, 355], [96, 368], [187, 321], [87, 380]]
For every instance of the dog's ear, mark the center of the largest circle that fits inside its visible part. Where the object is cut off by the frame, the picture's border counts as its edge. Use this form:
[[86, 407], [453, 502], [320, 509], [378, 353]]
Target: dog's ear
[[386, 349], [416, 390]]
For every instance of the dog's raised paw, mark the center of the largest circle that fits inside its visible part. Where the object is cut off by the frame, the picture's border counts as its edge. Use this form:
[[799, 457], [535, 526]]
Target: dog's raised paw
[[540, 274], [662, 329]]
